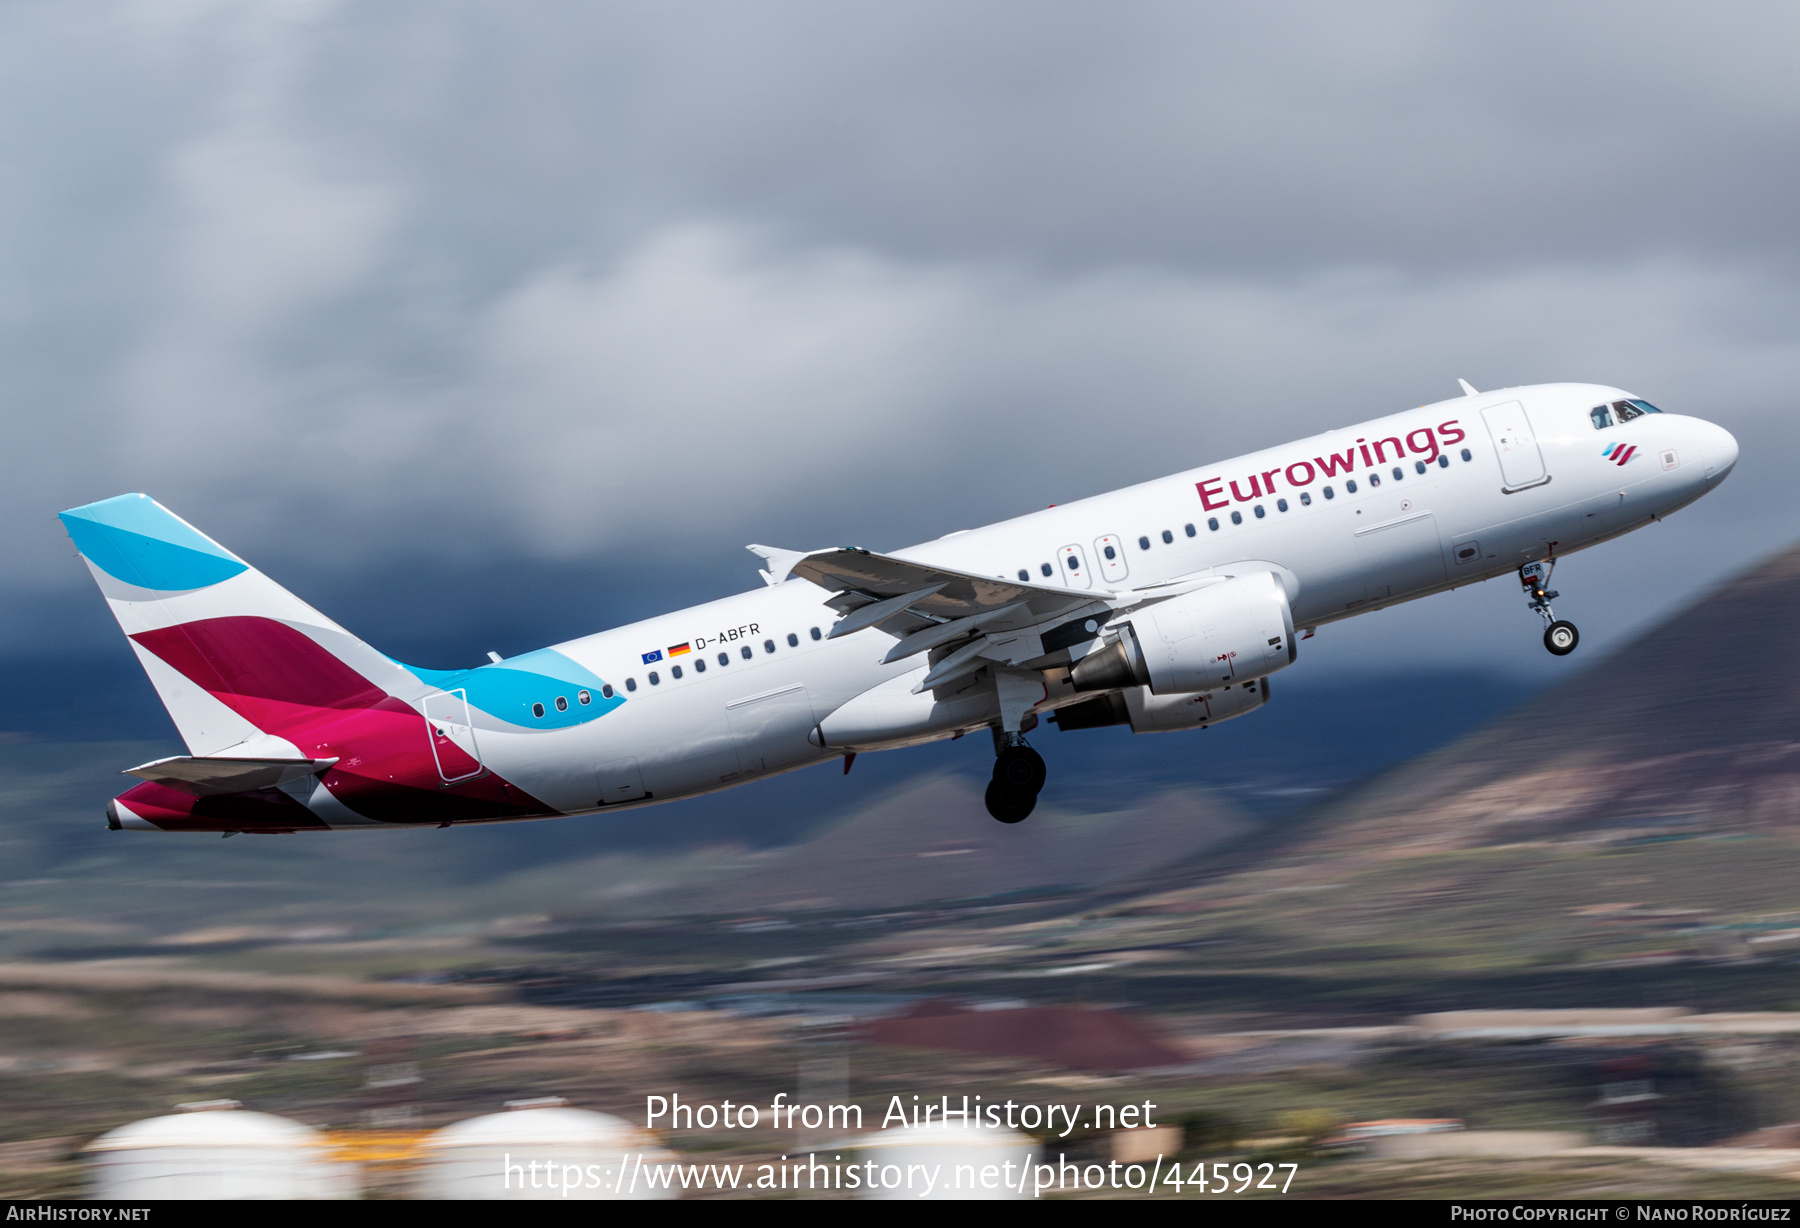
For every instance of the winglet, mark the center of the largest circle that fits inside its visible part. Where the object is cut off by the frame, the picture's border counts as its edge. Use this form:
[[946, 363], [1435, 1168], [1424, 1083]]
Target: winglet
[[780, 562], [1468, 388]]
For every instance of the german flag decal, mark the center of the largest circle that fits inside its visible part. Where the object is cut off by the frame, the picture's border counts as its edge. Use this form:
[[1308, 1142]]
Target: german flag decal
[[679, 650]]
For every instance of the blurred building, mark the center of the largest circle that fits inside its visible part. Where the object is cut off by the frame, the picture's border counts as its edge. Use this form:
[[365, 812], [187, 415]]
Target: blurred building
[[541, 1149], [215, 1150]]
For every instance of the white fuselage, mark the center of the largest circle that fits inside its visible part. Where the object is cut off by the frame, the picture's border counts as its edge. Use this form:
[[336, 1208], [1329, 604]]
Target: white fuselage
[[761, 676]]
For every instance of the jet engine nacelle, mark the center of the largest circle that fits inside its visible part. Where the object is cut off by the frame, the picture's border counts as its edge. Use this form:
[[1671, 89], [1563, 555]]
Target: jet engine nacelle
[[1201, 641], [1148, 713]]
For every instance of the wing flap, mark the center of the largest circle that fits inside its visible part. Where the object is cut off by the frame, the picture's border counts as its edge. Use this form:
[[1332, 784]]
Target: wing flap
[[880, 611]]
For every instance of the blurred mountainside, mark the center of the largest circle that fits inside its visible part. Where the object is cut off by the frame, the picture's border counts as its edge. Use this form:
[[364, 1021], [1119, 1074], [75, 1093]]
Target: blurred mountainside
[[1692, 728]]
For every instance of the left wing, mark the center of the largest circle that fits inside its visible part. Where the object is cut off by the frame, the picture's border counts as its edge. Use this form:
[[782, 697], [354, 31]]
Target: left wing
[[929, 607]]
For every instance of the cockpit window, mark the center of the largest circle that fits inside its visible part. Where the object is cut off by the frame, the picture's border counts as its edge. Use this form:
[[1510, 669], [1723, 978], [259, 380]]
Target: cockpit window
[[1602, 416], [1634, 408]]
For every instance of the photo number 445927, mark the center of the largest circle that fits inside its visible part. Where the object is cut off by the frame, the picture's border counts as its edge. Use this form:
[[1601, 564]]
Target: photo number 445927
[[1239, 1178]]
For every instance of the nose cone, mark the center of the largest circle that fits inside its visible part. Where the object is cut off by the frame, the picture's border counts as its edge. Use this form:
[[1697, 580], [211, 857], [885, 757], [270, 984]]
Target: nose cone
[[1721, 450]]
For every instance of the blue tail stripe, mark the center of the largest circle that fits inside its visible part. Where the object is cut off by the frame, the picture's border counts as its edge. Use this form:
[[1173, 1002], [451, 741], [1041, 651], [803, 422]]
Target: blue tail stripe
[[133, 539]]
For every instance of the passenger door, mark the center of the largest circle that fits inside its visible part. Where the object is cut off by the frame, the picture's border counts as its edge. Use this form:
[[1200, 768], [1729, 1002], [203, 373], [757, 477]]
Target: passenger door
[[1521, 460]]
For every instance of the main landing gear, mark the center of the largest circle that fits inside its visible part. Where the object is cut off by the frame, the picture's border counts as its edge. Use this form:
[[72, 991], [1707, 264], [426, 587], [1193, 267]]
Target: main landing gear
[[1560, 635], [1019, 774]]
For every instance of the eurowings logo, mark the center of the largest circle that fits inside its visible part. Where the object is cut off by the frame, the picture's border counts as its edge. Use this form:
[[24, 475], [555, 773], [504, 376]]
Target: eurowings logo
[[1620, 453]]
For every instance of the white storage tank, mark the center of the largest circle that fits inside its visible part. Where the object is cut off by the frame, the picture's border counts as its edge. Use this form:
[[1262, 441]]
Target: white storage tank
[[214, 1149], [968, 1164], [545, 1149]]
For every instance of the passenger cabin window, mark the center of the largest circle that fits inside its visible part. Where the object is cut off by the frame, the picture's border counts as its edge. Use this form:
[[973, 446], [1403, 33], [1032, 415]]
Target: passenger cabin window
[[586, 697], [1398, 473], [1349, 486], [1306, 498], [537, 710], [1190, 530], [631, 684], [1259, 511], [1073, 564], [745, 652], [1143, 543], [1443, 462], [768, 645], [1044, 568], [606, 691], [1601, 416], [1330, 493], [1237, 518], [1168, 537], [675, 670], [562, 704], [793, 640], [1468, 455], [724, 658], [1024, 576], [699, 665], [1212, 522], [1374, 479], [654, 680], [815, 633], [1281, 505], [1110, 553]]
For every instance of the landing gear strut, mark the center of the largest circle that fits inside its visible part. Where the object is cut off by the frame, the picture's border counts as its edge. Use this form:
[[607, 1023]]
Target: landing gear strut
[[1019, 774], [1560, 635]]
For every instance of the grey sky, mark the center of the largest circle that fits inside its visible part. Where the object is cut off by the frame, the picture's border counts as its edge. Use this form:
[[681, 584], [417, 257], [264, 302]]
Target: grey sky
[[641, 283]]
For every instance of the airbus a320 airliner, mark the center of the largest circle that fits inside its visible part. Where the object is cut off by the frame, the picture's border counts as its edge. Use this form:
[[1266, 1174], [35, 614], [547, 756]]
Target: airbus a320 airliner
[[1165, 606]]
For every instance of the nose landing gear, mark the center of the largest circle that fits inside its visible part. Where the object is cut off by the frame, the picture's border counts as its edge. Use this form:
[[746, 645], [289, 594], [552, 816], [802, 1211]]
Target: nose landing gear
[[1019, 775], [1560, 635]]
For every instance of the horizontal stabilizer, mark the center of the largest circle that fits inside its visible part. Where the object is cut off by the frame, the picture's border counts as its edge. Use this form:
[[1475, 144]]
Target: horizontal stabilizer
[[206, 777]]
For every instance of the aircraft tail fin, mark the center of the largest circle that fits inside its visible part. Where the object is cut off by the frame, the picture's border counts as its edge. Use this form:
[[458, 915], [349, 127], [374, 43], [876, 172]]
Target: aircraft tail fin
[[239, 662]]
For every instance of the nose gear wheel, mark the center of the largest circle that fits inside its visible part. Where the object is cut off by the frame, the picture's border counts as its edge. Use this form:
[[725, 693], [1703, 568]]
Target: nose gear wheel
[[1560, 635]]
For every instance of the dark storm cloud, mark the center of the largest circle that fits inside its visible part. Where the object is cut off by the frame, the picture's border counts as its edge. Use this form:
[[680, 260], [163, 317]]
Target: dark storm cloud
[[637, 284]]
